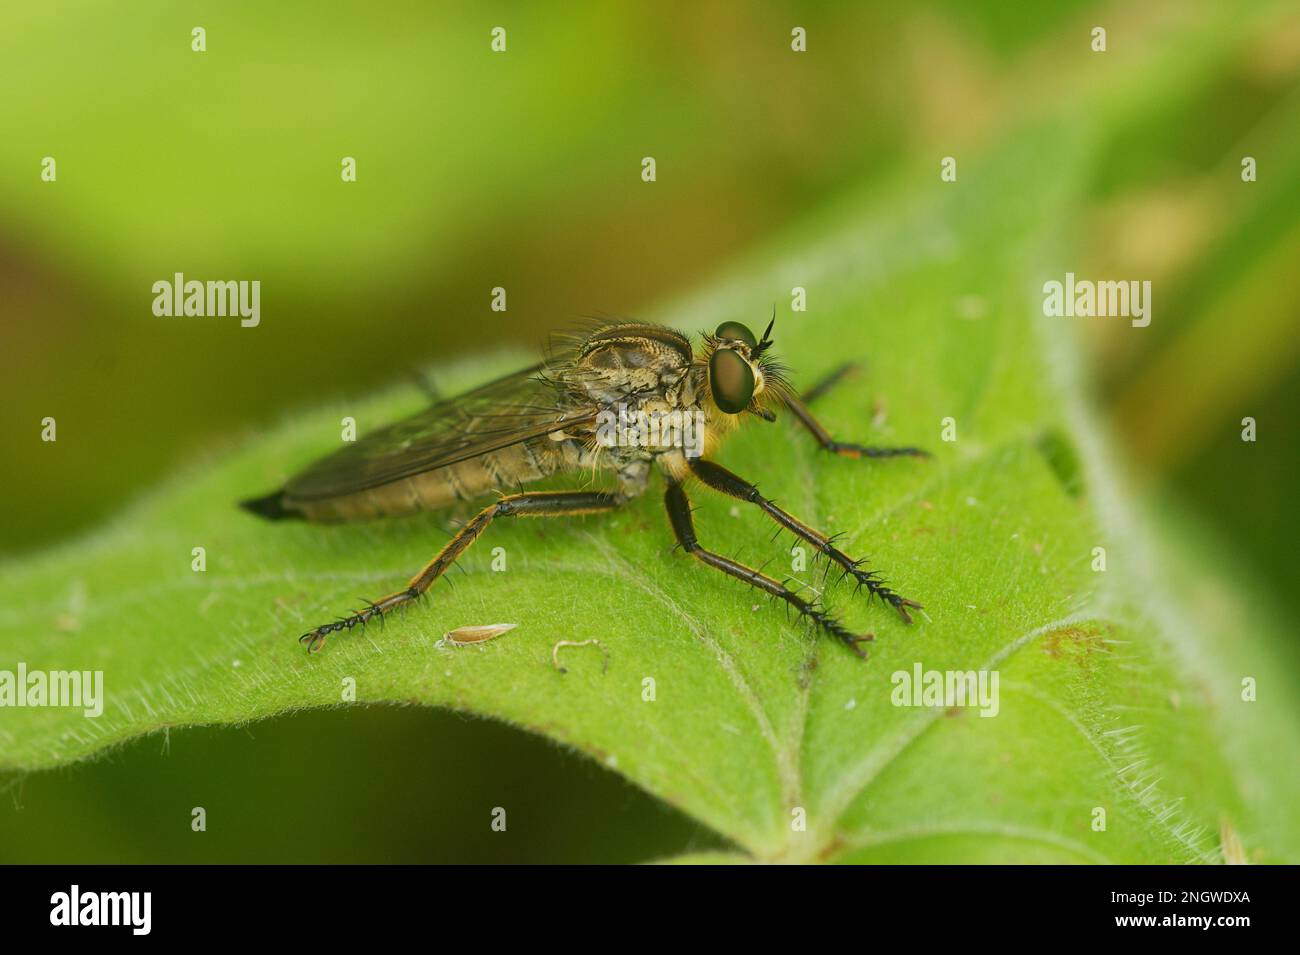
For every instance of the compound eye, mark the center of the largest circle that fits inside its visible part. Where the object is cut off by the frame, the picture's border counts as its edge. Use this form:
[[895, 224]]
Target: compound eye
[[731, 380], [734, 331]]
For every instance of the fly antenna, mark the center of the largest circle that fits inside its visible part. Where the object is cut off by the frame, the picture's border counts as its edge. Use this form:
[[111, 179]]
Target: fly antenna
[[766, 343]]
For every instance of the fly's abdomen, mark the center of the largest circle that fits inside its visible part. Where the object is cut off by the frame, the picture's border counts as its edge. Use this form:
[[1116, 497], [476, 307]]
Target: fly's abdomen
[[439, 488]]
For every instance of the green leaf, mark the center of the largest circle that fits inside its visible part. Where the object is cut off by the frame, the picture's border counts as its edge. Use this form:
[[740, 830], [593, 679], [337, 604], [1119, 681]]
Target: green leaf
[[1109, 699]]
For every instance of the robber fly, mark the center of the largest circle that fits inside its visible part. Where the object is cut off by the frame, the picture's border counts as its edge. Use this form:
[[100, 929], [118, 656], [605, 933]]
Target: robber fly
[[548, 419]]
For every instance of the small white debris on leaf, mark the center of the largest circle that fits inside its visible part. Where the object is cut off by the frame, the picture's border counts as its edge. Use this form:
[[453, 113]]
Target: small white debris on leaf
[[464, 636]]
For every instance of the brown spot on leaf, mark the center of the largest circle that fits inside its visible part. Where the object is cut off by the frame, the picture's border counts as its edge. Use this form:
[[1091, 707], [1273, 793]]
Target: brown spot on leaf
[[1077, 641]]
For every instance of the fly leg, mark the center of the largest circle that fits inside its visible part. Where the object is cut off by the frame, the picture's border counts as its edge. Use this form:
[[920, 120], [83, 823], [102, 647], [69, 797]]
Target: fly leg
[[799, 407], [679, 515], [539, 504], [720, 479], [829, 382]]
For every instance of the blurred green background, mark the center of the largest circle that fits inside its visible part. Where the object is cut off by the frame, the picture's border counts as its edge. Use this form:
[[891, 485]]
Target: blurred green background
[[522, 170]]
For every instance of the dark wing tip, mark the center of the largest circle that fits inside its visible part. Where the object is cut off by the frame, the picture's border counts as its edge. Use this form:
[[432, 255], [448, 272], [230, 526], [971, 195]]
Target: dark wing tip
[[270, 507]]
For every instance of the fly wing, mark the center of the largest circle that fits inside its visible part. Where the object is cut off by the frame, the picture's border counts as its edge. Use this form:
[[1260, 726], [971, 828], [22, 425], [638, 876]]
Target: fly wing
[[502, 413]]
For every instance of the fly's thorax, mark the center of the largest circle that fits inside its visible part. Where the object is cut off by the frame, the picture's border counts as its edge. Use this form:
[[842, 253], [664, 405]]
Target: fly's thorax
[[639, 428], [625, 364], [710, 428], [640, 380]]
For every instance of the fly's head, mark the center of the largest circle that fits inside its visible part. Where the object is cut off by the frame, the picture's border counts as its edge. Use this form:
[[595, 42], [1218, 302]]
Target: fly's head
[[740, 373]]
